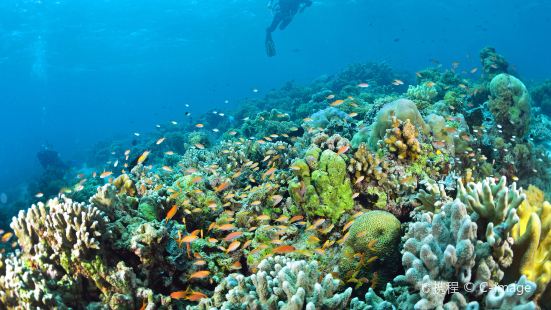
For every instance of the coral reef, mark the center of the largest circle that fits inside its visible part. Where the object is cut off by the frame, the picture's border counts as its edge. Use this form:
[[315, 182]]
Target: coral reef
[[303, 199], [280, 283]]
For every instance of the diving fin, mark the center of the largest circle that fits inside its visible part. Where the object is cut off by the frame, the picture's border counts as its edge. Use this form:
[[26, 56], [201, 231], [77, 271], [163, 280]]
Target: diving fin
[[270, 45]]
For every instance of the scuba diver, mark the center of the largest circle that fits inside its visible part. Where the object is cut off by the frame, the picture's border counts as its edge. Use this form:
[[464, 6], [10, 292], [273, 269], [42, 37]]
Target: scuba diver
[[284, 11]]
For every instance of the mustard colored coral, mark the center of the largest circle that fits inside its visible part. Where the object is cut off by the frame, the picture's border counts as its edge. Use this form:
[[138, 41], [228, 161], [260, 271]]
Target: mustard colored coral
[[532, 245], [401, 139]]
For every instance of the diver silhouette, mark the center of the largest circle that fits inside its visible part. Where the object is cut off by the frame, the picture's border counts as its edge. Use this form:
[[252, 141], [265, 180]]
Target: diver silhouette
[[284, 11]]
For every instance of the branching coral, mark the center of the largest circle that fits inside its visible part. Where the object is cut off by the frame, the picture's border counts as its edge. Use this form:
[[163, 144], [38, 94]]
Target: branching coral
[[280, 283], [401, 140], [448, 246], [402, 109]]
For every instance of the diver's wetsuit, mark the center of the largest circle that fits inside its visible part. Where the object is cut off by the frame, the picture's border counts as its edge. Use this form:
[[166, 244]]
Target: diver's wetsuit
[[284, 12]]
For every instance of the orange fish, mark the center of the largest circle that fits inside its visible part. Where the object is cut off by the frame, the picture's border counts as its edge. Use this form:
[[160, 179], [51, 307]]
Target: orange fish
[[221, 187], [283, 249], [296, 218], [397, 82], [363, 85], [6, 237], [170, 214], [39, 195], [263, 217], [226, 227], [199, 274], [236, 266], [199, 146], [269, 172], [430, 84], [247, 243], [330, 97], [167, 168], [199, 125], [195, 296], [343, 149], [337, 103], [105, 174], [189, 238], [179, 295], [233, 246], [233, 235]]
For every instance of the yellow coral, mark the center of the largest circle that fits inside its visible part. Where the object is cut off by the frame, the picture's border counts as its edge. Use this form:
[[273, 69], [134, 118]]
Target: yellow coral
[[533, 240], [125, 185], [401, 139]]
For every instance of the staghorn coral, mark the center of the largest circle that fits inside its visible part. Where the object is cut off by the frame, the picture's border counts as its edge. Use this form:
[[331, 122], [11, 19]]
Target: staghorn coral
[[401, 140], [321, 186], [280, 283]]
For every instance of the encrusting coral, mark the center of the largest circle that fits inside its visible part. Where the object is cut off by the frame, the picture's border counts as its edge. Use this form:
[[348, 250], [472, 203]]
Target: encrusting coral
[[322, 186], [280, 283]]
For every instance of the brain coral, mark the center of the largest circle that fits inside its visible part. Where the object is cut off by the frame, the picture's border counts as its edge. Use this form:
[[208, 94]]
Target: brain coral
[[374, 236]]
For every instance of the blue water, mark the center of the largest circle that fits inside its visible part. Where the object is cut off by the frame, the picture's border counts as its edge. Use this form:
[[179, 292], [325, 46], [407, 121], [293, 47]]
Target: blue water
[[74, 72]]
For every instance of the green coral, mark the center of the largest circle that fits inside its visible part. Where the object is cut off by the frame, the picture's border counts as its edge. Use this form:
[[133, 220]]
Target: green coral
[[147, 211], [374, 237], [510, 104], [322, 187]]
